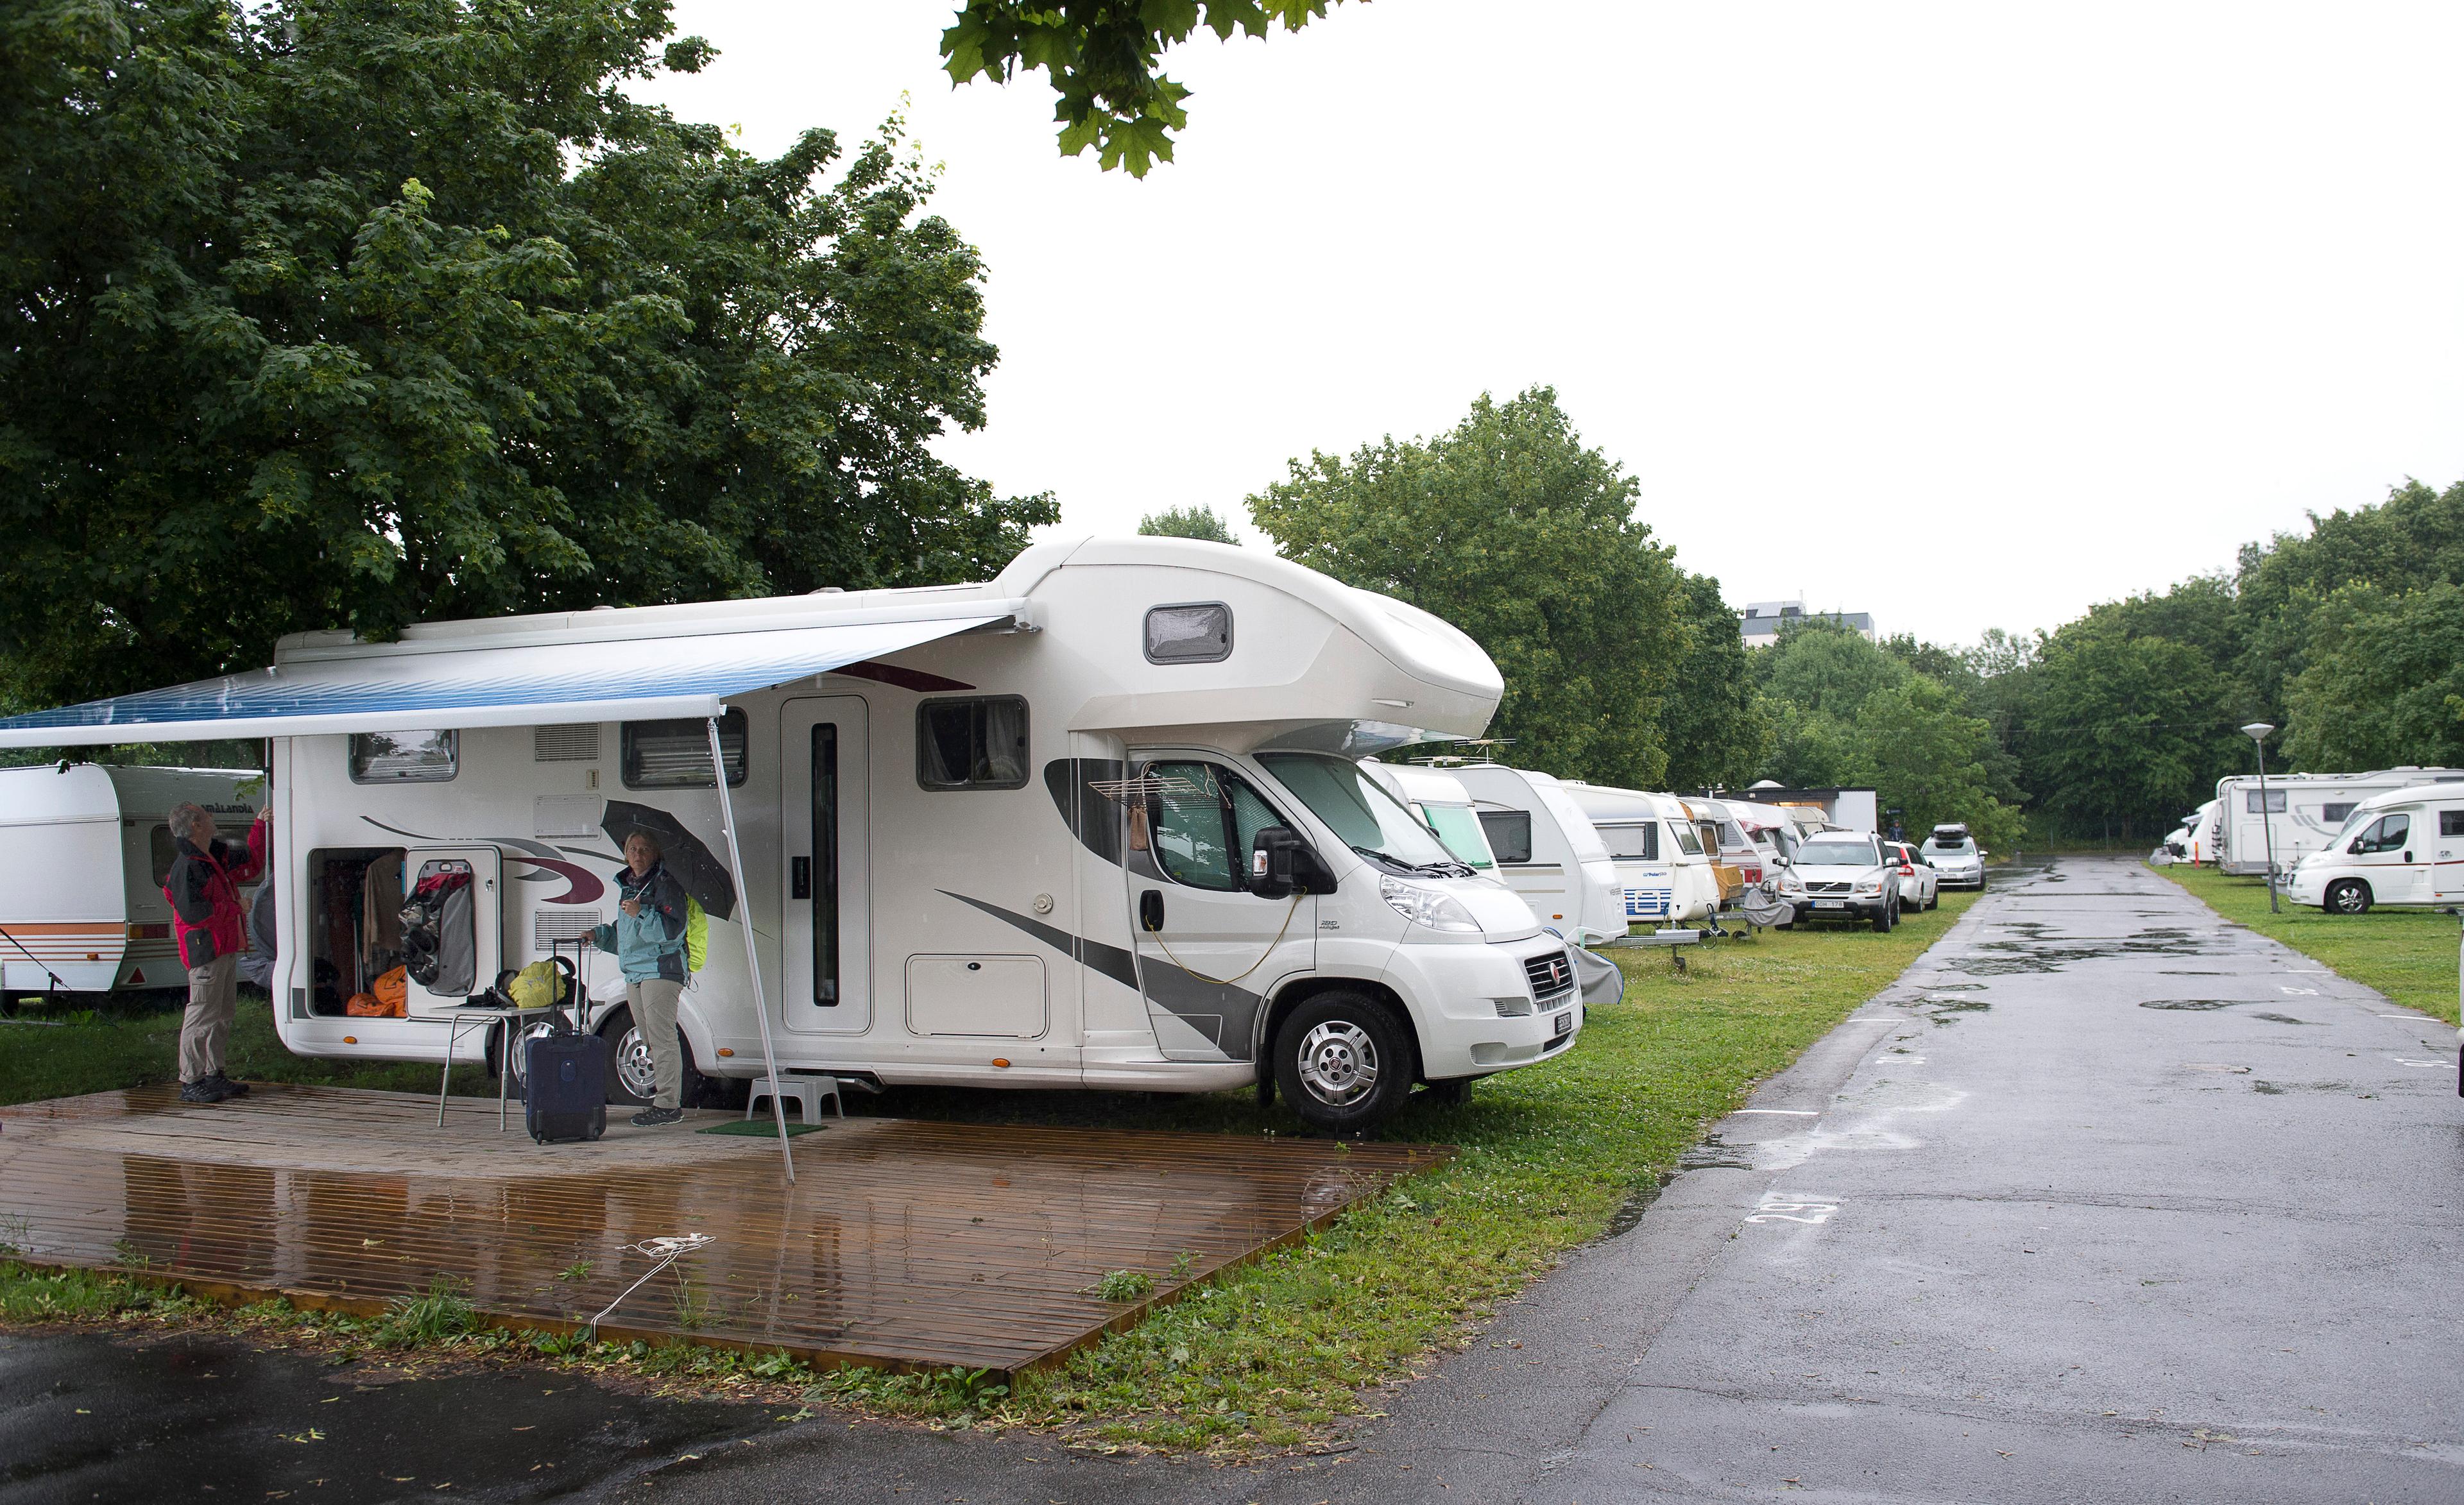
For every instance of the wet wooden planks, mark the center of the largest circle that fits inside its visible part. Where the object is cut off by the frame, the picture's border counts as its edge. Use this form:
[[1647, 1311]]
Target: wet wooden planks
[[904, 1243]]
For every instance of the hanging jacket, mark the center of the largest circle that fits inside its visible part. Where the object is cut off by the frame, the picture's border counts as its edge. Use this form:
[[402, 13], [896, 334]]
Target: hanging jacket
[[203, 887], [651, 944]]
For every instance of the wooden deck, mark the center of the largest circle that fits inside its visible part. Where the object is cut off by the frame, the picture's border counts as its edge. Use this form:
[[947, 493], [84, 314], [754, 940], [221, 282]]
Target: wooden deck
[[903, 1244]]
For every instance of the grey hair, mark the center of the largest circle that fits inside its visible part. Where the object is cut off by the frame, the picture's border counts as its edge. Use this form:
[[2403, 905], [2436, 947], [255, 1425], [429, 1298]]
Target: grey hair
[[647, 839], [186, 820]]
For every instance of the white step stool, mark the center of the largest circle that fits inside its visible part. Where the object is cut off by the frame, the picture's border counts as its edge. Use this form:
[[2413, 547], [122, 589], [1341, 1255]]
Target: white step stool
[[804, 1091]]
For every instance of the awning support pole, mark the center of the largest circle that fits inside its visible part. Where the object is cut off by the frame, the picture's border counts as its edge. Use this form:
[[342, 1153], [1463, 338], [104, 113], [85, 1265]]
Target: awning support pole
[[752, 958]]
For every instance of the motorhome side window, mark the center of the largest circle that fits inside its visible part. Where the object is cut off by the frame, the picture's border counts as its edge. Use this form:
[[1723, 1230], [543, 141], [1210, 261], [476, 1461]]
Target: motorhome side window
[[1200, 822], [978, 743], [1510, 835], [2336, 814], [2270, 803], [405, 757], [2450, 822], [675, 754], [2391, 833], [1197, 633]]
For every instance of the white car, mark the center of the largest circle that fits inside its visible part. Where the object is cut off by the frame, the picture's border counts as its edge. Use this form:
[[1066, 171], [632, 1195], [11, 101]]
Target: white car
[[1955, 856], [1846, 878], [1920, 886]]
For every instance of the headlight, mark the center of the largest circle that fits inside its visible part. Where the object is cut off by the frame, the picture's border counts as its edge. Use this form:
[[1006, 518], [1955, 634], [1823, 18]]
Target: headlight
[[1872, 886], [1433, 908]]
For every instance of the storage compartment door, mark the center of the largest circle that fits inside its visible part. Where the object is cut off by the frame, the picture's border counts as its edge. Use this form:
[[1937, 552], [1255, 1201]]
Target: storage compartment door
[[998, 996], [452, 925]]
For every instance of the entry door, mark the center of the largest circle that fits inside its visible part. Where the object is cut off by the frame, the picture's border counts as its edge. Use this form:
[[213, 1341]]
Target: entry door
[[2447, 879], [454, 927], [1205, 970], [825, 830], [2387, 851]]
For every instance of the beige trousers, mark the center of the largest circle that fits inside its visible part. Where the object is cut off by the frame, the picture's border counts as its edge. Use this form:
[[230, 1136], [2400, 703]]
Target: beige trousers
[[213, 998], [654, 1014]]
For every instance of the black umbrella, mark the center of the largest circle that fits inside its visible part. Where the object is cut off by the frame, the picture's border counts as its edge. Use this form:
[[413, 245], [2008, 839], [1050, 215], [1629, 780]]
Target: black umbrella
[[703, 875]]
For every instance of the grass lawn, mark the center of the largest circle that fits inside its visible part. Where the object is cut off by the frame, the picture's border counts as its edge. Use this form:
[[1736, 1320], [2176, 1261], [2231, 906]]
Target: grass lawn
[[2407, 954], [1264, 1354]]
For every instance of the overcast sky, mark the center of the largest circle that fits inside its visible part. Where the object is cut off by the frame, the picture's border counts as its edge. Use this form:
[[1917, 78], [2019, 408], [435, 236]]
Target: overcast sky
[[1966, 315]]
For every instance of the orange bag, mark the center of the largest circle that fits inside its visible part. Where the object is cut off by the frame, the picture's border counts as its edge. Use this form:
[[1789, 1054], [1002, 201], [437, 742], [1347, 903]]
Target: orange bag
[[365, 1005], [393, 991]]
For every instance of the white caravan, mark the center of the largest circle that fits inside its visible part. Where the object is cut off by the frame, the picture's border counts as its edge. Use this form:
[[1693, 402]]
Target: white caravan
[[1444, 805], [1664, 875], [1096, 822], [2305, 810], [2402, 849], [1547, 851], [87, 849]]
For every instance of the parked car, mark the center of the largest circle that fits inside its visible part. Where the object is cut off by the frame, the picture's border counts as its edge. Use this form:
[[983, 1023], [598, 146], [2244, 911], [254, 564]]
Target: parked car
[[1955, 856], [1920, 885], [1846, 878]]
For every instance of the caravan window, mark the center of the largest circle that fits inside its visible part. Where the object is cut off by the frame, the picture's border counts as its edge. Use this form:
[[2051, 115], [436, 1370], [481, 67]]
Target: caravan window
[[1459, 830], [1687, 842], [2254, 803], [1198, 633], [675, 754], [1637, 842], [2336, 814], [405, 757], [979, 743], [1510, 835]]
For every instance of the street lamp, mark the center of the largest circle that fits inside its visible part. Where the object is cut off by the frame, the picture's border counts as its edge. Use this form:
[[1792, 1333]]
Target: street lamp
[[2257, 731]]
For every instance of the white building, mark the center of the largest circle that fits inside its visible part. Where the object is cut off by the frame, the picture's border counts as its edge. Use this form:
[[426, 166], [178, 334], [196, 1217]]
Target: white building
[[1763, 619]]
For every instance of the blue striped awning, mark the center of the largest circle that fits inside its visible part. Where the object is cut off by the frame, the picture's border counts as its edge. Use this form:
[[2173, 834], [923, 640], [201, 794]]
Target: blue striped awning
[[422, 686]]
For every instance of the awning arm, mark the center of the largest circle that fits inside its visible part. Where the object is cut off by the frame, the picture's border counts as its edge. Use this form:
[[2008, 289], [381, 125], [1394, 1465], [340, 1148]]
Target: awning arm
[[752, 957]]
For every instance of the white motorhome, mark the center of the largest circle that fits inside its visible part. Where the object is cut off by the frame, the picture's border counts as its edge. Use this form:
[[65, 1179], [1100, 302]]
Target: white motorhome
[[1096, 822], [1444, 805], [1665, 874], [2402, 848], [2205, 828], [1547, 851], [81, 906], [2304, 810]]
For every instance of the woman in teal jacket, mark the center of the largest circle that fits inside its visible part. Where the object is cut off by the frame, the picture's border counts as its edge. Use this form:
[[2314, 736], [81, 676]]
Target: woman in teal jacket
[[649, 943]]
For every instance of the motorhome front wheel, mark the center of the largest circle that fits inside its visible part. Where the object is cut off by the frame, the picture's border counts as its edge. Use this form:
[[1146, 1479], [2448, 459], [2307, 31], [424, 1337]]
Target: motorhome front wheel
[[1342, 1061], [2349, 896]]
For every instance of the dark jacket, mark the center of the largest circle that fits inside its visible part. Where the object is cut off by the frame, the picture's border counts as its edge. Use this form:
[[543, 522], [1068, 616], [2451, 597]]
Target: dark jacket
[[649, 944], [203, 889]]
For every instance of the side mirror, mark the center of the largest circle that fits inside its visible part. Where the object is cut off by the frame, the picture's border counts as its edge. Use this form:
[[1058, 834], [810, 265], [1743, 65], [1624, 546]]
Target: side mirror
[[1281, 864]]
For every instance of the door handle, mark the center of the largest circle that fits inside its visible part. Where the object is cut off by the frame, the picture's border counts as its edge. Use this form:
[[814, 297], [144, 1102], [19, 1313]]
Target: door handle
[[1150, 910], [2408, 856], [799, 877]]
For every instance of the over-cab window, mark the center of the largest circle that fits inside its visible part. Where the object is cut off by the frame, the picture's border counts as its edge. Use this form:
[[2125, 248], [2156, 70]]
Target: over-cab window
[[978, 743], [405, 757], [1199, 632], [675, 754], [2389, 835], [1510, 835]]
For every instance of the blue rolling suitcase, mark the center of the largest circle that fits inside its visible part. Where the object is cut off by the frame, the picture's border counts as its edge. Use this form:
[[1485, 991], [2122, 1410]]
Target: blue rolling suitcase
[[565, 1097]]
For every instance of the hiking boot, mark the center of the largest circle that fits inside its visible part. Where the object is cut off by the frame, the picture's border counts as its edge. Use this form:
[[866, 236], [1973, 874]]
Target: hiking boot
[[231, 1088], [204, 1089], [657, 1116]]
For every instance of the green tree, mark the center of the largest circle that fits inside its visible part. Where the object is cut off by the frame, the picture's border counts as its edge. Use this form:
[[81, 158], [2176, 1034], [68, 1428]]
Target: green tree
[[1716, 728], [1188, 522], [2127, 733], [366, 312], [2385, 685], [1818, 665], [1105, 60], [2412, 540], [1509, 528], [1929, 760]]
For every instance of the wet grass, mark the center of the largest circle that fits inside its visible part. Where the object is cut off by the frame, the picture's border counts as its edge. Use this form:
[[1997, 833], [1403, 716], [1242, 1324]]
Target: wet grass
[[1267, 1354], [2407, 954], [132, 1040]]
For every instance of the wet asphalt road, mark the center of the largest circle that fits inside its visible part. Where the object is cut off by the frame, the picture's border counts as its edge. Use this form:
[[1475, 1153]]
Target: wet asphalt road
[[2105, 1200]]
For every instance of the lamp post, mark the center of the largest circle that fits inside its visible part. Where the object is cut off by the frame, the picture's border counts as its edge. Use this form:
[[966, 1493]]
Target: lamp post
[[2257, 731]]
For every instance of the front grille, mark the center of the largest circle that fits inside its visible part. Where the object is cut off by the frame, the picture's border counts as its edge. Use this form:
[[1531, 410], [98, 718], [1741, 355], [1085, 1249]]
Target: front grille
[[1826, 888], [1551, 974]]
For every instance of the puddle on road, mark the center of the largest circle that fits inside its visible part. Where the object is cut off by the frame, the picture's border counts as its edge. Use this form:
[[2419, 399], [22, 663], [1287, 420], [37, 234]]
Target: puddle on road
[[1946, 1011], [2286, 1018], [2190, 1003], [2038, 949], [1713, 1154], [1627, 1216]]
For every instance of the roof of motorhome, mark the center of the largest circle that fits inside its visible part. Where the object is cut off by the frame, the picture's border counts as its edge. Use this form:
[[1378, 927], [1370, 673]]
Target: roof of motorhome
[[2410, 795], [685, 659]]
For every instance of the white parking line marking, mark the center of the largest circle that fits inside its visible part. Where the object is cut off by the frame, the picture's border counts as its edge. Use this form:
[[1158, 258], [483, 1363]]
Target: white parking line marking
[[1776, 1209], [1794, 1113], [2299, 992]]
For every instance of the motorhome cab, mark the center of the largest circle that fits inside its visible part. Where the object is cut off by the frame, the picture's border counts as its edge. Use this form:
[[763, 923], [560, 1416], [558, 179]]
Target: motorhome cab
[[89, 846], [1664, 876], [1547, 851], [1097, 822], [2404, 847]]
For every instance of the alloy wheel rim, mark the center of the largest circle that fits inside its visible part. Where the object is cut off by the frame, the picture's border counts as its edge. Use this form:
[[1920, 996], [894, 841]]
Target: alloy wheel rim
[[634, 1067], [1338, 1063]]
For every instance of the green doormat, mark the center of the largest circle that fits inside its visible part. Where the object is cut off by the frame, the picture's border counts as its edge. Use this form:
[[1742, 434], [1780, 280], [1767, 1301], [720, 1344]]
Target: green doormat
[[766, 1128]]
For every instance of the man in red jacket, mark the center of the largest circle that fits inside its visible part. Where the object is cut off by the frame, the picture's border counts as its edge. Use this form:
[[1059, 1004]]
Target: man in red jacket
[[209, 915]]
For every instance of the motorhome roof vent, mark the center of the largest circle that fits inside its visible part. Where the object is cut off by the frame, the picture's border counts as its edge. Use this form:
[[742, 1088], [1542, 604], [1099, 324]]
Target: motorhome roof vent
[[569, 742]]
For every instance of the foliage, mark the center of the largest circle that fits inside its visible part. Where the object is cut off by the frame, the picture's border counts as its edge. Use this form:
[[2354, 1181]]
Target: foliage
[[1124, 1285], [1509, 528], [1104, 58], [1188, 522], [441, 1313], [2412, 540], [2137, 728], [369, 311], [2385, 685], [1714, 725]]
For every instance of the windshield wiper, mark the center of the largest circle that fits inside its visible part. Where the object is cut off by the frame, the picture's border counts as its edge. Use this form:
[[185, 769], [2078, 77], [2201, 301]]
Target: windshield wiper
[[1446, 869]]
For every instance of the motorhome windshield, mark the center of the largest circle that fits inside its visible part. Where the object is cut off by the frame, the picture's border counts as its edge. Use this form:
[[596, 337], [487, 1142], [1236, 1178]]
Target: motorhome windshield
[[1362, 815], [1459, 829], [1832, 852]]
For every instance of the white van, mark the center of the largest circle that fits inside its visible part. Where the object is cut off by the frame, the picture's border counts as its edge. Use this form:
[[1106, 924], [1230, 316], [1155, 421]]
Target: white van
[[1444, 805], [1097, 822], [1664, 876], [2305, 811], [1547, 851], [2402, 849], [88, 848]]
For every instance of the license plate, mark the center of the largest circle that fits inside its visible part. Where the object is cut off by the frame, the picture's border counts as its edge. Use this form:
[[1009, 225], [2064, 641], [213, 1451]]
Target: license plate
[[1562, 1024], [1830, 903]]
